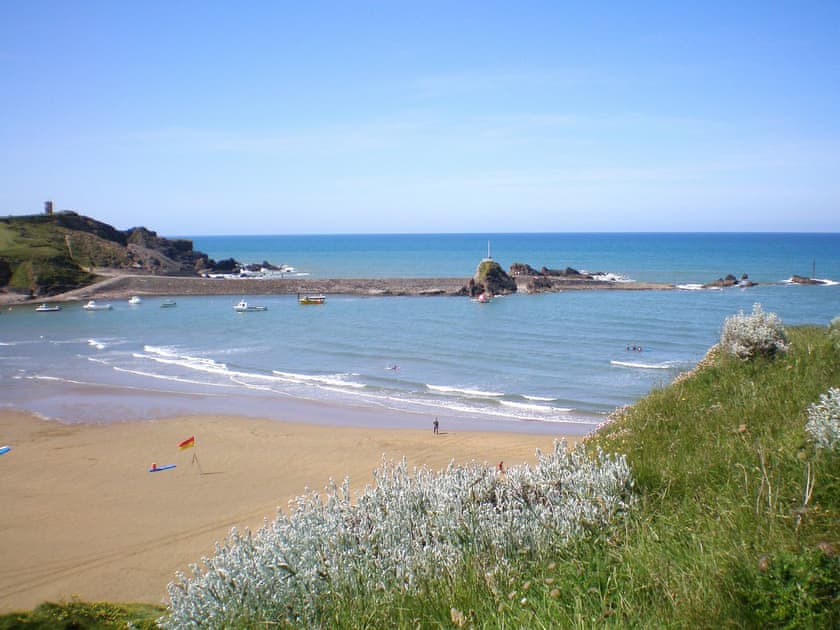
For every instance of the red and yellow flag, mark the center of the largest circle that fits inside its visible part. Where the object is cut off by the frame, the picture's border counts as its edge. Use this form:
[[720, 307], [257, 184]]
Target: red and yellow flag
[[188, 443]]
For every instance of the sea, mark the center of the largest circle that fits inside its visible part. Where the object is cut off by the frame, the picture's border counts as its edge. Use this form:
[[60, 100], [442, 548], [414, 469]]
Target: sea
[[547, 363]]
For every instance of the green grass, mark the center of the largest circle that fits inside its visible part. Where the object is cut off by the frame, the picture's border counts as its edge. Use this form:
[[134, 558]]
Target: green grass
[[738, 522], [724, 536], [77, 615], [36, 249]]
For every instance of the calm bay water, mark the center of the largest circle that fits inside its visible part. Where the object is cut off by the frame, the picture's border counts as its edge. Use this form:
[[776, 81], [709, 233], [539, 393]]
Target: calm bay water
[[554, 362]]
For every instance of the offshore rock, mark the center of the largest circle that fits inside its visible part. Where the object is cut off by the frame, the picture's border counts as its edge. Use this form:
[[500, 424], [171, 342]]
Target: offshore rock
[[729, 281], [804, 280], [490, 278]]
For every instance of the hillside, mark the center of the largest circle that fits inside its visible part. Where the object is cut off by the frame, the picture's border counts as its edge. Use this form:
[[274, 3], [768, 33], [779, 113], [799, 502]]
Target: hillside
[[734, 525], [43, 255]]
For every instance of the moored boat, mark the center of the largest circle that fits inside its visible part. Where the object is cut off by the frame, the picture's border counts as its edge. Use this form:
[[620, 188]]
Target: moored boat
[[48, 308], [243, 307], [93, 305], [311, 299], [167, 304], [134, 299]]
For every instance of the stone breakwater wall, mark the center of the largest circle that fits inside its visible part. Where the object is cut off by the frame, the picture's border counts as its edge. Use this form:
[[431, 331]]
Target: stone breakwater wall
[[125, 285]]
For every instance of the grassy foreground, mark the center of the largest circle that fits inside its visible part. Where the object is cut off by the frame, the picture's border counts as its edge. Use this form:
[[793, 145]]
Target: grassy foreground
[[737, 525]]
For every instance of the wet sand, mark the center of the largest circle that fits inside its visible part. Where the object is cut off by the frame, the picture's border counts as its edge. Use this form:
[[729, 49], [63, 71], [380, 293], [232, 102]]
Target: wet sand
[[82, 517]]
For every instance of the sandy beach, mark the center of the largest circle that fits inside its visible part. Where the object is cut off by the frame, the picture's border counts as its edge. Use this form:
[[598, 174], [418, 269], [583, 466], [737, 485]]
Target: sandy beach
[[82, 517]]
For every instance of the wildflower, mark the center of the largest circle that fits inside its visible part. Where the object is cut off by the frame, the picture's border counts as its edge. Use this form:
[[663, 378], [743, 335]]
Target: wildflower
[[458, 618]]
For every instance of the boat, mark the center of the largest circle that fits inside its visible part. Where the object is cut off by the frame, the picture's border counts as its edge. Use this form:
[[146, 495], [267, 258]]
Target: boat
[[47, 308], [311, 299], [134, 300], [243, 307], [93, 306], [167, 304], [484, 298]]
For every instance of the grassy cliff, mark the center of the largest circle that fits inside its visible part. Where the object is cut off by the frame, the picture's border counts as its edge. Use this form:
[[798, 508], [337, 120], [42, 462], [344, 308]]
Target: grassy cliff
[[49, 254]]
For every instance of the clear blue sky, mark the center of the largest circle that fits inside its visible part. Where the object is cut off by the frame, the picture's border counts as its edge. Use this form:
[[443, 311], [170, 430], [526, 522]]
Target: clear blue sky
[[387, 116]]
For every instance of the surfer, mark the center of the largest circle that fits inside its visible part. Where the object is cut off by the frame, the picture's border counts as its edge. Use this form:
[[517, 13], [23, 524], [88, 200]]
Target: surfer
[[394, 367]]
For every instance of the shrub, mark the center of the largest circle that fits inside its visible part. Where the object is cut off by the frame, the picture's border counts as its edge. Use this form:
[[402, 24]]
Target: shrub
[[758, 334], [824, 420], [796, 590], [401, 533], [834, 331]]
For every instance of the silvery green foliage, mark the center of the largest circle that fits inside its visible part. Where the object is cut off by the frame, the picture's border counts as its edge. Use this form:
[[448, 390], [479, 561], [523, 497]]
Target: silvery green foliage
[[824, 420], [748, 336], [834, 331], [406, 527]]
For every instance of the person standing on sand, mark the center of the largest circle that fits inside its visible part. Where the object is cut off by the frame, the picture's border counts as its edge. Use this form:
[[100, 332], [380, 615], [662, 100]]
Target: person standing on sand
[[435, 425]]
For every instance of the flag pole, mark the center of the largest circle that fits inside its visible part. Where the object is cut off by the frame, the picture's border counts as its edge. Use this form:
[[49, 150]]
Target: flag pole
[[195, 460]]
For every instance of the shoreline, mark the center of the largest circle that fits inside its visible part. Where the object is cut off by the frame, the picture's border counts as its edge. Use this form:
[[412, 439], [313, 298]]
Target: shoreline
[[124, 285], [82, 517]]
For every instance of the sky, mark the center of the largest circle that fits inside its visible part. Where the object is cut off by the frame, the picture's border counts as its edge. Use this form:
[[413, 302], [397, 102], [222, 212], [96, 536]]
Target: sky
[[383, 116]]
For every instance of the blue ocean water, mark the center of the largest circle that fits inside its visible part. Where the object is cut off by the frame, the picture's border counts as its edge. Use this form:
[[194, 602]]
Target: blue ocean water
[[655, 257], [552, 362]]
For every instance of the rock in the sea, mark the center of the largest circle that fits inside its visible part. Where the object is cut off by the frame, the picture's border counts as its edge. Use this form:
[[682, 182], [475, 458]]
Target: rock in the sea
[[804, 280], [729, 281], [490, 278]]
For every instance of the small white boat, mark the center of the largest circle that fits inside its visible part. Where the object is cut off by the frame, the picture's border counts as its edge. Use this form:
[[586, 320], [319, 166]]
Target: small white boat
[[167, 304], [134, 299], [312, 299], [93, 306], [484, 298], [47, 308], [243, 307]]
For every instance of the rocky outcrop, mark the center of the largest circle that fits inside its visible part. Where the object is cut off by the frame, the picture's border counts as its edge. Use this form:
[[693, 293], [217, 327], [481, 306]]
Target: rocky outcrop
[[804, 280], [522, 269], [729, 281], [539, 284], [490, 278], [568, 272], [49, 254]]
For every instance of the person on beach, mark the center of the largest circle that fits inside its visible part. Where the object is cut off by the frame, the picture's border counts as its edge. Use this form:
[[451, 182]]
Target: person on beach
[[435, 425]]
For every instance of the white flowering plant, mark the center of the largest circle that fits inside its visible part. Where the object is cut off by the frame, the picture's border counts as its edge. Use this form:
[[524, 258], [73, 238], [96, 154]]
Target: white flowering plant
[[757, 334], [824, 420], [406, 528]]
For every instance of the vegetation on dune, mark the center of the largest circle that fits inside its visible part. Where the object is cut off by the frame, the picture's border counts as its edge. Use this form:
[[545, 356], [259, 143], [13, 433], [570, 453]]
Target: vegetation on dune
[[733, 521]]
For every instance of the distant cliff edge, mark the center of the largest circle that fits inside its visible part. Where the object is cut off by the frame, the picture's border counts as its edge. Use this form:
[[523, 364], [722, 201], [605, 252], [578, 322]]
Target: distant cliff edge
[[46, 254]]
